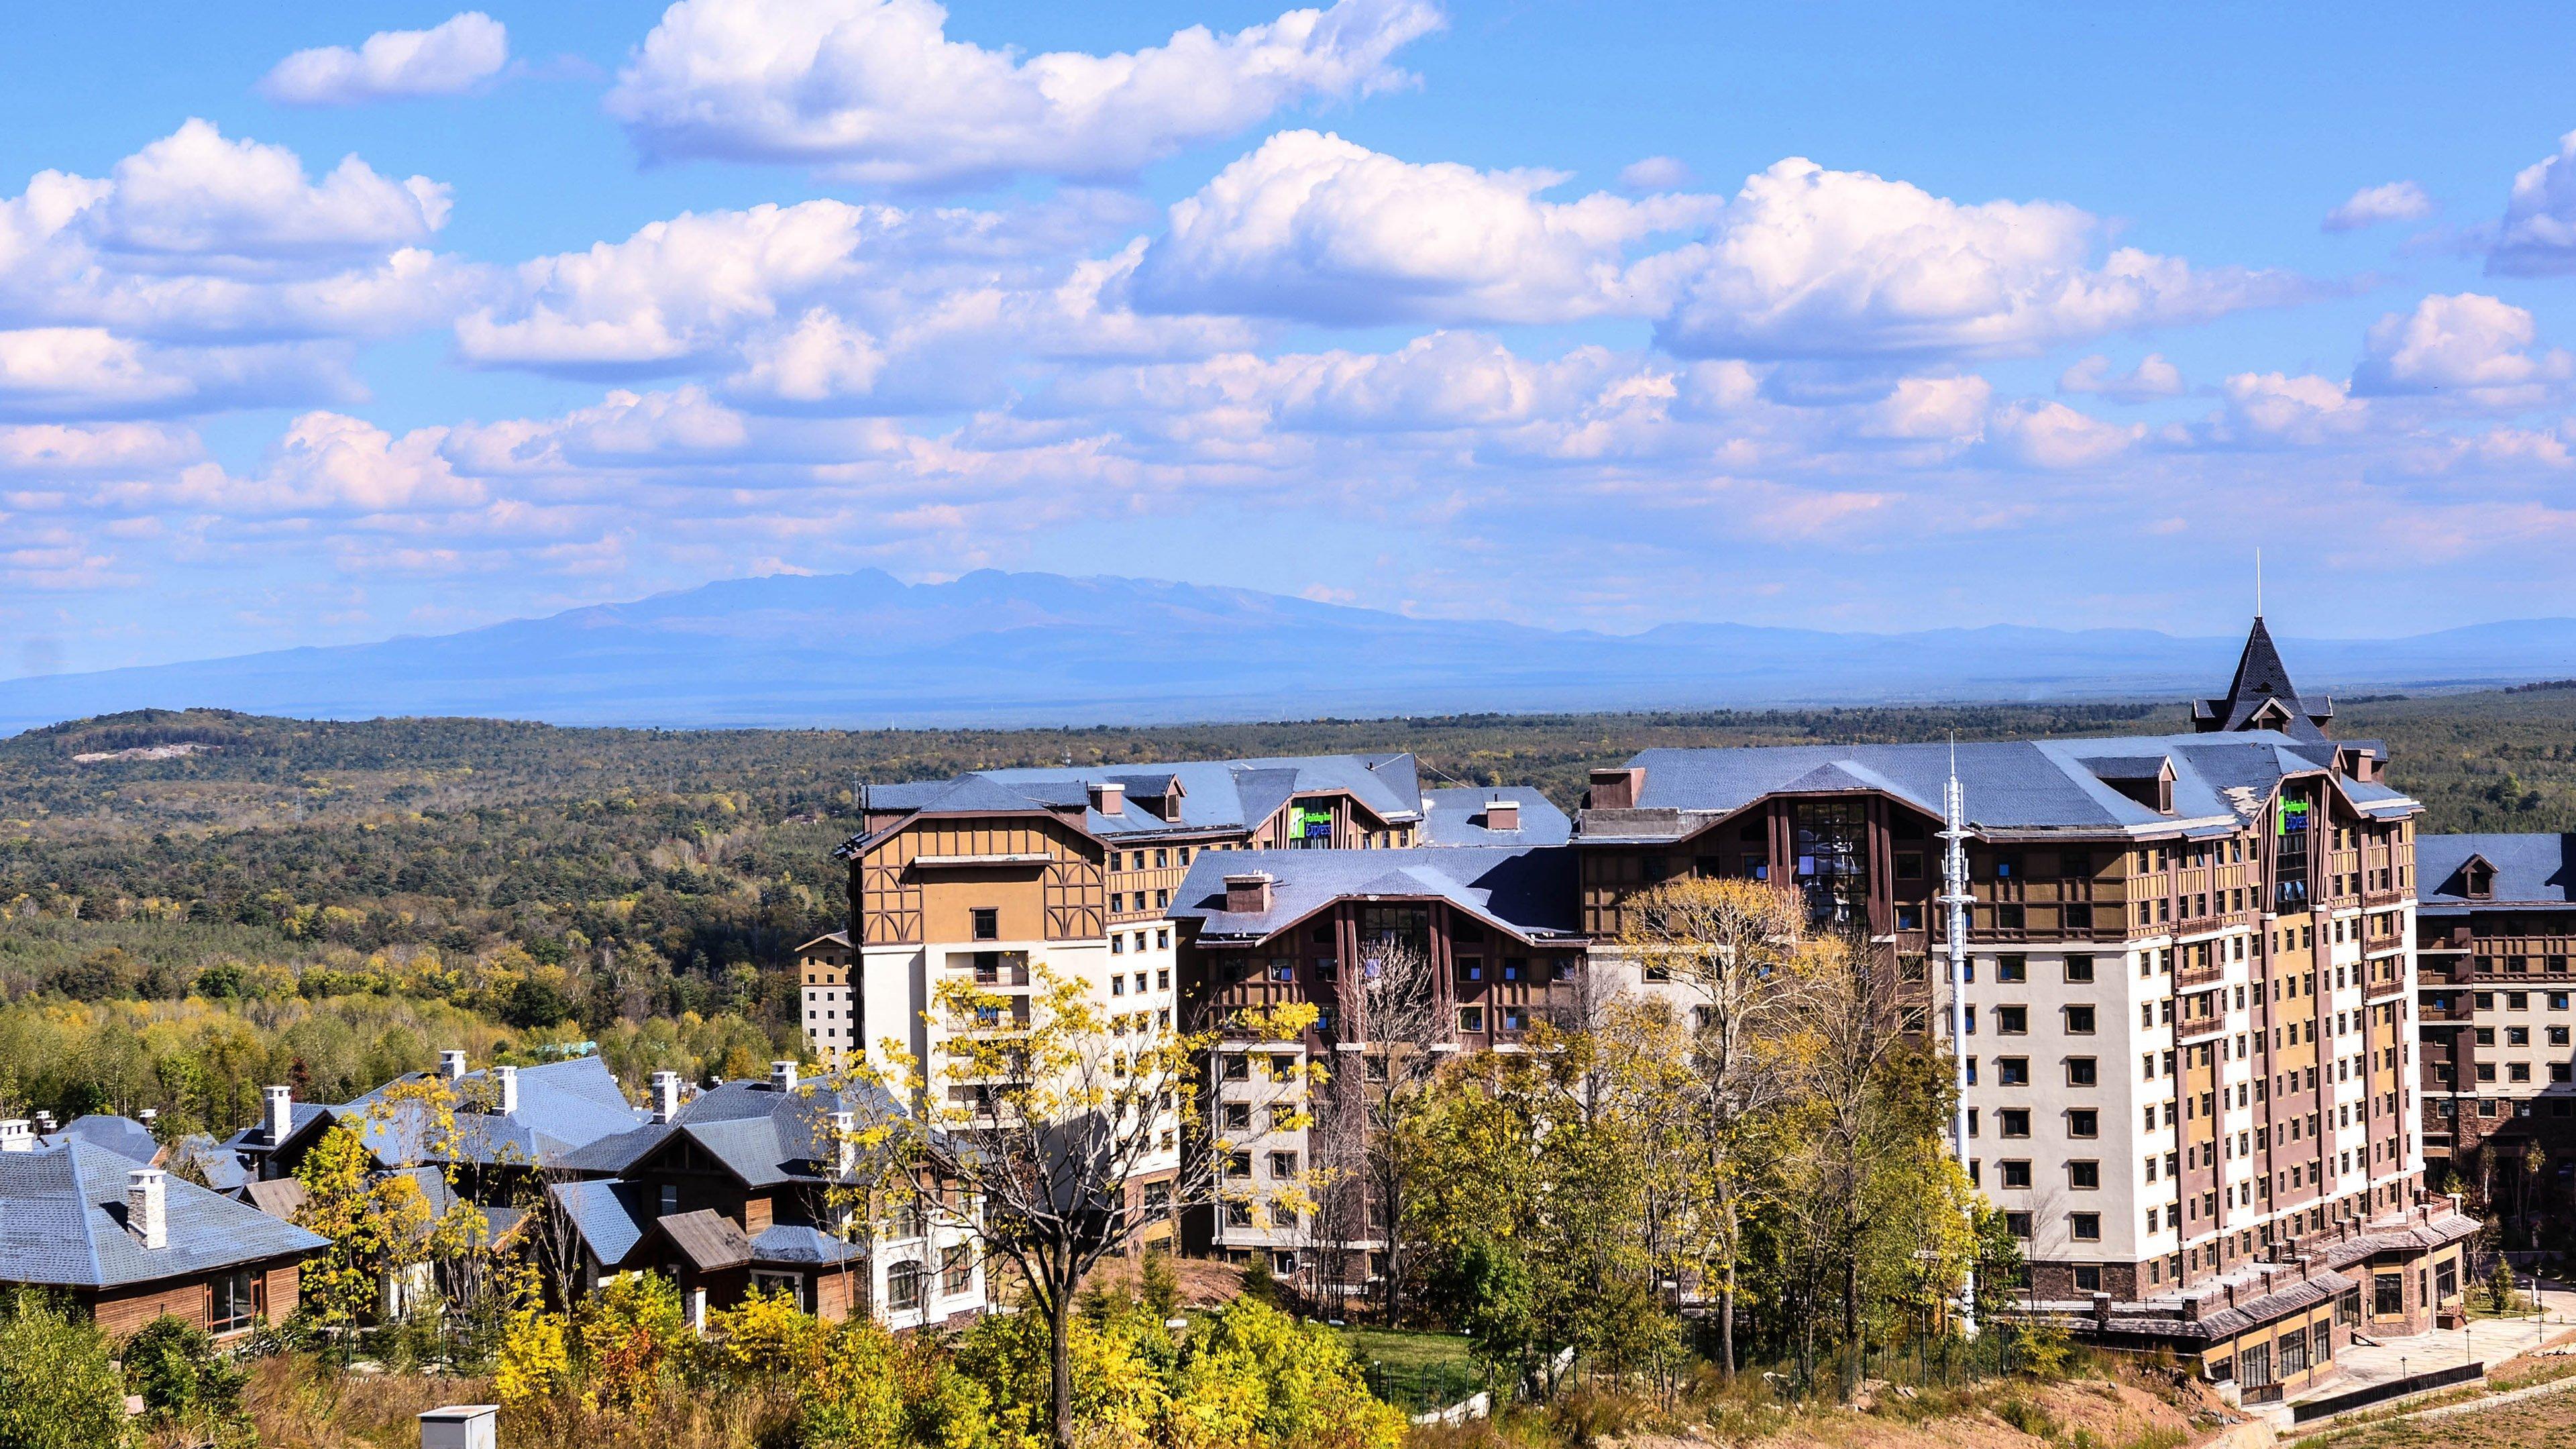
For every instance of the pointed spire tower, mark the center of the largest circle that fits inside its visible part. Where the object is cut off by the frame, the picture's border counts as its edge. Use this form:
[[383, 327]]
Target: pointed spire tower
[[2261, 697]]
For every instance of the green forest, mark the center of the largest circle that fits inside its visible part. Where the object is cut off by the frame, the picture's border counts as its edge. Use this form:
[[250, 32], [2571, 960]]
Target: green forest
[[194, 902]]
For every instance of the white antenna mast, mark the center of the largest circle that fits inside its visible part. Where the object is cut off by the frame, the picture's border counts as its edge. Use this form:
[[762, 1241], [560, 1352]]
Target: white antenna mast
[[1955, 898]]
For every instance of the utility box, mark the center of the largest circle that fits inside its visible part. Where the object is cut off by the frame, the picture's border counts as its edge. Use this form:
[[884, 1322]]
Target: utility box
[[462, 1426]]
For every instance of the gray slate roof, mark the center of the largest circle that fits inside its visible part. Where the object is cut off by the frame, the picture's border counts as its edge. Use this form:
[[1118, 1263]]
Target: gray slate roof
[[1529, 892], [1213, 795], [2261, 682], [562, 1107], [121, 1135], [801, 1246], [612, 1217], [2529, 869], [2017, 785], [1456, 816], [62, 1223]]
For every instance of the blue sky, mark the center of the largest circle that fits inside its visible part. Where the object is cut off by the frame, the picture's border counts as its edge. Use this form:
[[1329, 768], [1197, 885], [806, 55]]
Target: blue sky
[[324, 325]]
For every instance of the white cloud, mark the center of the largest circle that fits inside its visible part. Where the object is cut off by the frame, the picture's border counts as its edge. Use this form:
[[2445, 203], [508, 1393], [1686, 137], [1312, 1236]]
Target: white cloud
[[447, 59], [62, 373], [875, 91], [2371, 205], [2152, 378], [195, 196], [1931, 408], [2054, 436], [56, 450], [332, 463], [1312, 226], [2469, 345], [1654, 173], [1816, 263], [2537, 237], [2271, 407]]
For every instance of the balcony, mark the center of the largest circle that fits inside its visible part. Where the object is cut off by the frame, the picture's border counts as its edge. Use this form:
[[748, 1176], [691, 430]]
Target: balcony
[[2211, 974], [2193, 1028]]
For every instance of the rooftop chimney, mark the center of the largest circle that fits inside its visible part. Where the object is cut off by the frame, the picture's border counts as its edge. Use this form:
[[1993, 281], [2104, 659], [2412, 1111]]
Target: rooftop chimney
[[1248, 894], [666, 1096], [45, 1124], [1502, 815], [281, 1113], [1109, 797], [845, 1137], [451, 1065], [1616, 789], [148, 1116], [505, 1090], [17, 1135], [147, 1206], [782, 1076]]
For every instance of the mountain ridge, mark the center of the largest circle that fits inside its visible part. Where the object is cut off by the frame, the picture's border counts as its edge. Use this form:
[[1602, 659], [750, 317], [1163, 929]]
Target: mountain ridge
[[996, 648]]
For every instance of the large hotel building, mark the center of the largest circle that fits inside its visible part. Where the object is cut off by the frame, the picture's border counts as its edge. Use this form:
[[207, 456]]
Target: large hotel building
[[2191, 994]]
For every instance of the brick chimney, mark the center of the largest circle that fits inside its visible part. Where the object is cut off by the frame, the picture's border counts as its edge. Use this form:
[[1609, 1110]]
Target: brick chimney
[[666, 1096], [147, 1206], [1502, 815], [17, 1135], [505, 1090], [1248, 894], [451, 1065], [281, 1113], [782, 1076], [1109, 797], [1616, 789]]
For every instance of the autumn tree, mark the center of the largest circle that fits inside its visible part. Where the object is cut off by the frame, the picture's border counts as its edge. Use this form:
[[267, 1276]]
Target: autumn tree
[[1364, 1118], [1046, 1111], [1729, 948]]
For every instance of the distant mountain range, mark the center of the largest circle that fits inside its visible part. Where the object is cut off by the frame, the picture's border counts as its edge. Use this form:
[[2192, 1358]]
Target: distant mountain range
[[865, 650]]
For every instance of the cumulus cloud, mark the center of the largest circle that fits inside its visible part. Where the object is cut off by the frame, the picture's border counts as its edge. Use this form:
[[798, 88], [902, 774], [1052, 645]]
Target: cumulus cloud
[[445, 60], [2053, 436], [1931, 408], [2371, 205], [69, 450], [2470, 345], [1815, 263], [2152, 378], [875, 91], [2272, 407], [1314, 227], [197, 197], [333, 463], [63, 373], [1654, 173], [2537, 237]]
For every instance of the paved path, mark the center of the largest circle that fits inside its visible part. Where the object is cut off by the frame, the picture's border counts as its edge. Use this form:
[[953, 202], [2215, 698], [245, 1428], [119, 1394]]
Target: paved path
[[2490, 1341]]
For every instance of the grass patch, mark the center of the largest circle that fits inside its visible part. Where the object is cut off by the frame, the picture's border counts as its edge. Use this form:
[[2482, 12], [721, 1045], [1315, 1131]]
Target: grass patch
[[1415, 1371]]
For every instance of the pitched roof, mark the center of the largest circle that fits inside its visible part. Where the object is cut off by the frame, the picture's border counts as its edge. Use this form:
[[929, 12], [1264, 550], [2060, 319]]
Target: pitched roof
[[707, 1238], [1529, 892], [2015, 785], [611, 1217], [2261, 696], [797, 1244], [1196, 796], [121, 1135], [218, 1164], [2529, 869], [1457, 817], [562, 1107], [62, 1223]]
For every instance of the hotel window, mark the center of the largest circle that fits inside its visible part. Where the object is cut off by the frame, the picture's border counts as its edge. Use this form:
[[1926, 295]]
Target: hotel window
[[2014, 1173], [2081, 1072], [2088, 1279], [2517, 1036], [987, 923], [2079, 968], [1909, 918], [1471, 1018], [2017, 1224], [1118, 946], [2521, 1071], [2083, 1122], [1117, 984], [2085, 1227], [1163, 979], [2012, 1071], [2084, 1175], [903, 1287], [2079, 1020], [2012, 968], [232, 1302], [1283, 1164], [957, 1269], [1282, 969], [2012, 1020], [1515, 1018], [2013, 1121]]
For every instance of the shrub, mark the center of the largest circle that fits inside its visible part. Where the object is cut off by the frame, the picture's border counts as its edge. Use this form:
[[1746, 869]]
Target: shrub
[[58, 1387], [172, 1364]]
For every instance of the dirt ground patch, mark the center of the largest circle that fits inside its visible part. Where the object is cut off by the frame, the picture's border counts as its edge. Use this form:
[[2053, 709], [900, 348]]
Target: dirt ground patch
[[2105, 1414]]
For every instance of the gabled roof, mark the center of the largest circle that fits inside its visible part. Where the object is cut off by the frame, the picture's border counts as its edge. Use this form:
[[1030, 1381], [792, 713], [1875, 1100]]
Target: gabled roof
[[707, 1238], [1197, 797], [2011, 786], [1457, 817], [221, 1168], [562, 1107], [2529, 869], [2261, 696], [796, 1245], [611, 1217], [1529, 893], [63, 1224]]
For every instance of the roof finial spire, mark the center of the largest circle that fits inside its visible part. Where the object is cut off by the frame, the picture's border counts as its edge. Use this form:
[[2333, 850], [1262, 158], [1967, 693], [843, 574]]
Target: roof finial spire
[[2258, 581]]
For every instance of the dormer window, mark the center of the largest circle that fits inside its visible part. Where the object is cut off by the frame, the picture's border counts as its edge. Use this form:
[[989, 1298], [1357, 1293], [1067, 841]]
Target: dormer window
[[2477, 879]]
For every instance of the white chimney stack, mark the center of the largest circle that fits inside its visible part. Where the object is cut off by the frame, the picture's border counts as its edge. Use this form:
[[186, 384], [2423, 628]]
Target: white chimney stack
[[45, 1124], [148, 1116], [451, 1065], [782, 1076], [17, 1135], [505, 1083], [845, 1136], [666, 1096], [281, 1113], [147, 1206]]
